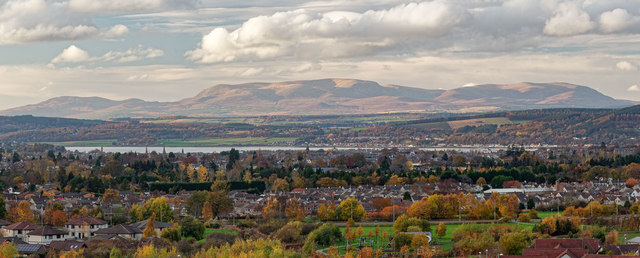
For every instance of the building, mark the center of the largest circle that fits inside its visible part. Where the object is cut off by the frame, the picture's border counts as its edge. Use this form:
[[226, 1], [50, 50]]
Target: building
[[19, 229], [562, 248], [28, 249], [159, 226], [124, 231], [84, 227], [67, 245], [45, 235]]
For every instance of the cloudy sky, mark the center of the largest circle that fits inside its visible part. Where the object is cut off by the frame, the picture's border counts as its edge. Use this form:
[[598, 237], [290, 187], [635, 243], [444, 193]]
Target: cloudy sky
[[166, 50]]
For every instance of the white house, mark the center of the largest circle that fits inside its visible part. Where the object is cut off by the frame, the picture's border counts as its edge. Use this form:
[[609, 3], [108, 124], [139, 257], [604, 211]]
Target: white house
[[84, 227], [45, 235]]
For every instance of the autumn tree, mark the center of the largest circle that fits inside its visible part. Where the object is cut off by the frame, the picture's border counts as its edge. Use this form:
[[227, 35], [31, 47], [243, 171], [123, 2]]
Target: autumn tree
[[631, 182], [326, 211], [481, 181], [441, 230], [111, 196], [160, 207], [150, 229], [419, 240], [58, 218], [513, 243], [202, 174], [280, 185], [271, 209], [350, 208], [611, 238], [380, 203], [20, 212], [8, 249], [293, 210], [150, 251]]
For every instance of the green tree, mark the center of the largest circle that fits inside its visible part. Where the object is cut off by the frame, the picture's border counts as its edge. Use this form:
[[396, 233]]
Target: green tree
[[172, 234], [325, 235], [192, 227], [115, 253], [160, 207], [513, 243], [3, 207], [195, 202], [403, 223]]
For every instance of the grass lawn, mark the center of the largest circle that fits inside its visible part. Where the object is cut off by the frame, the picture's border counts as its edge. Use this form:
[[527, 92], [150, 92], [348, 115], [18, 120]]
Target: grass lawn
[[544, 214], [381, 242], [623, 236]]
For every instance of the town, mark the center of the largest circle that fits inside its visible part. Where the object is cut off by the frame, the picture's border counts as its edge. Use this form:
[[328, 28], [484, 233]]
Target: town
[[425, 203]]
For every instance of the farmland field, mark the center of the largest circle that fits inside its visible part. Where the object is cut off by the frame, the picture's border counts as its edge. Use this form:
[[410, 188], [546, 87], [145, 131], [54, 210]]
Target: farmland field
[[225, 141], [89, 143], [479, 121]]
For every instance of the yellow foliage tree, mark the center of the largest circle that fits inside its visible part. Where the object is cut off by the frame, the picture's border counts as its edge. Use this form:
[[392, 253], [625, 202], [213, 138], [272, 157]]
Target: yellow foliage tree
[[8, 250], [441, 230], [203, 174], [419, 240], [149, 251], [271, 209], [207, 214], [294, 210], [150, 229]]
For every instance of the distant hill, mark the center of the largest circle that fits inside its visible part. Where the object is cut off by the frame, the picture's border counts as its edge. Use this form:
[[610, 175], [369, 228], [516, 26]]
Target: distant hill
[[329, 96]]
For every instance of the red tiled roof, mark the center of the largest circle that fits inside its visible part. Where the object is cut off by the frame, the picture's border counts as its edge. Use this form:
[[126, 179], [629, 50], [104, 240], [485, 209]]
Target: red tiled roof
[[23, 225], [46, 231], [86, 221]]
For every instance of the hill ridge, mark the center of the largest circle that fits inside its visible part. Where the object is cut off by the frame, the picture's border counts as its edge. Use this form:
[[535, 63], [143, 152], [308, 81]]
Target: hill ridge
[[328, 96]]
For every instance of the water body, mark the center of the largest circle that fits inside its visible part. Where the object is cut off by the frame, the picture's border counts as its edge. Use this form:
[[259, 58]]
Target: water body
[[158, 149]]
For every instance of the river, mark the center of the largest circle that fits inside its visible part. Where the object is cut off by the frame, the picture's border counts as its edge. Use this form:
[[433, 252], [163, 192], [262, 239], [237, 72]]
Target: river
[[138, 149]]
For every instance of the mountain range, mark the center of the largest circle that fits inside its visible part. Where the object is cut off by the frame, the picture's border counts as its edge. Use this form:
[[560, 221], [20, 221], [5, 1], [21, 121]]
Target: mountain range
[[329, 96]]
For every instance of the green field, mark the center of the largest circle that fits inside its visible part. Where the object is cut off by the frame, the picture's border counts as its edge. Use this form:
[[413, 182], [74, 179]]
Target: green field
[[445, 243], [544, 214], [89, 143], [225, 141], [455, 124]]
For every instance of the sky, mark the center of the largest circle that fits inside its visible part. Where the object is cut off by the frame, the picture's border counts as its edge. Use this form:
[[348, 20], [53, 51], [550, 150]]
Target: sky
[[166, 50]]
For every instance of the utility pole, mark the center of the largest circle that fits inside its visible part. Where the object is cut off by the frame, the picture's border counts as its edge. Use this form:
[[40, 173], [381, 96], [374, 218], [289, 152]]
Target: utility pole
[[459, 213]]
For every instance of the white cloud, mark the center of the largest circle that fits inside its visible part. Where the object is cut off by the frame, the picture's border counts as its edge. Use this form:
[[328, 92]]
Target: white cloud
[[634, 88], [569, 19], [72, 54], [307, 34], [127, 5], [26, 21], [626, 66], [115, 31], [133, 54], [615, 20]]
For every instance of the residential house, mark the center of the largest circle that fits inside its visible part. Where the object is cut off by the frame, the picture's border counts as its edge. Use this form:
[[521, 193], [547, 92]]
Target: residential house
[[124, 231], [67, 245], [159, 226], [44, 235], [84, 227], [19, 229]]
